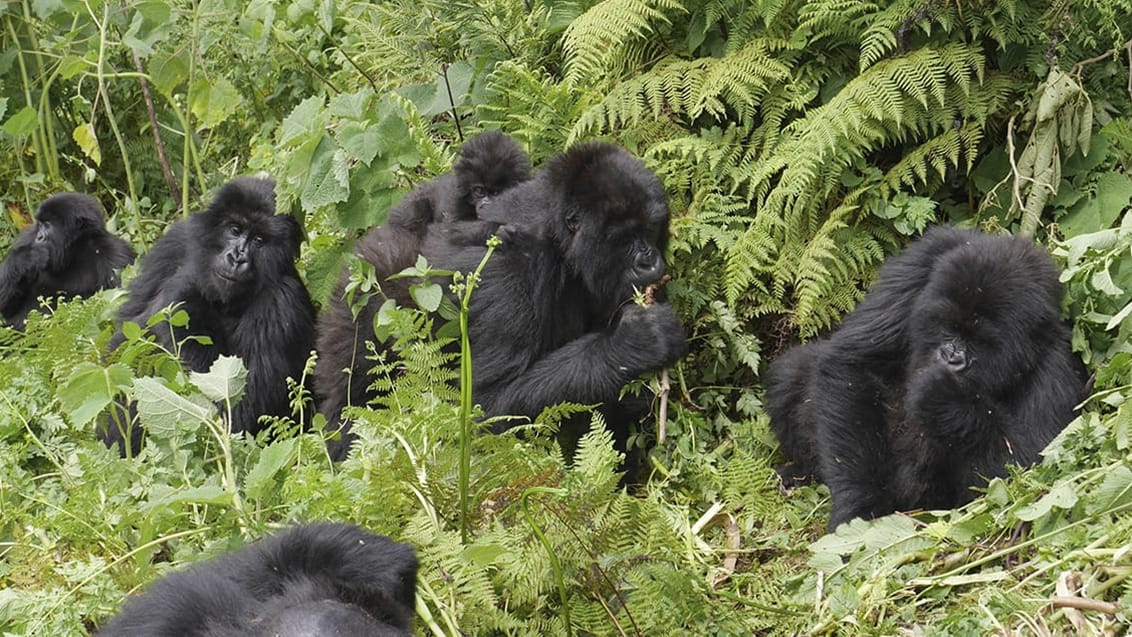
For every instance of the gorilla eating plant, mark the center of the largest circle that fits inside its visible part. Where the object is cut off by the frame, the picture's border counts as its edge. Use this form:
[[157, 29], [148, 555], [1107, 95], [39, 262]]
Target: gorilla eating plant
[[552, 319]]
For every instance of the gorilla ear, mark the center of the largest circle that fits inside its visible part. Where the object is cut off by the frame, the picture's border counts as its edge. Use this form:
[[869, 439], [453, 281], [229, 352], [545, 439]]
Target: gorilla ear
[[293, 235], [572, 220]]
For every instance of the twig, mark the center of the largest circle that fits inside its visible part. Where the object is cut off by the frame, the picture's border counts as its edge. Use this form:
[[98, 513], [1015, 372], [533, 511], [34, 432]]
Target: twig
[[662, 415], [1076, 70], [1084, 603], [170, 178], [1016, 188], [452, 102]]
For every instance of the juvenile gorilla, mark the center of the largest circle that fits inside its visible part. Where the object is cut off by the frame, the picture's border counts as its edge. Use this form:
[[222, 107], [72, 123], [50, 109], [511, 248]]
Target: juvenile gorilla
[[68, 252], [489, 164], [308, 581], [232, 269], [552, 319], [954, 364]]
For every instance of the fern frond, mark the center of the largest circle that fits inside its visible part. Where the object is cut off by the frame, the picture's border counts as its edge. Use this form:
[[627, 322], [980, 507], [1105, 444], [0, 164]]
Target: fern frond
[[611, 35]]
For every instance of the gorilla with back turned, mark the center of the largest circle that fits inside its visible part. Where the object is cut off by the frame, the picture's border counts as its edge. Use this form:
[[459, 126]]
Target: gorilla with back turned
[[954, 364], [232, 269], [68, 253], [552, 319], [313, 580]]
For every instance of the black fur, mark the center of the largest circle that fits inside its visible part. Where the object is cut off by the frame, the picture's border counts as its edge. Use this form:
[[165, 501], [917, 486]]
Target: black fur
[[310, 580], [67, 253], [954, 364], [232, 269], [552, 319], [489, 164]]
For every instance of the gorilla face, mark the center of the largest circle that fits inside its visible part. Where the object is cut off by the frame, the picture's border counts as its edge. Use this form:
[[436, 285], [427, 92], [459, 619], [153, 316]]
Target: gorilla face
[[61, 221], [246, 241], [489, 164], [613, 223]]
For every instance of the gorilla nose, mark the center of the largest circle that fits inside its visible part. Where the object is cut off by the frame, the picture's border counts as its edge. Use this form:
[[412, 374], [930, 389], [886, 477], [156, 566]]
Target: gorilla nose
[[953, 356], [649, 266]]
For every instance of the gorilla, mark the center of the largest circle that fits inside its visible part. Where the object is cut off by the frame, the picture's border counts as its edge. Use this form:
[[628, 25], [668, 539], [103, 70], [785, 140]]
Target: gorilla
[[311, 580], [68, 253], [954, 364], [232, 269], [489, 164], [552, 319]]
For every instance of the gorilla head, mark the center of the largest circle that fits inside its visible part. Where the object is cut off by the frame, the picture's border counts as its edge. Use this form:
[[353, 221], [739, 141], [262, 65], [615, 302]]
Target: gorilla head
[[68, 252], [245, 243], [63, 220], [608, 218], [489, 163]]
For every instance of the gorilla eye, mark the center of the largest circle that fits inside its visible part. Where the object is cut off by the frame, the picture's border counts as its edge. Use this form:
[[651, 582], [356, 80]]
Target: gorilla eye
[[479, 192], [258, 239]]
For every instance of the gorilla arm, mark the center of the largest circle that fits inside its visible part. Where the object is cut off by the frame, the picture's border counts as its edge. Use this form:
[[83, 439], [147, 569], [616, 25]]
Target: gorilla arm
[[589, 369], [19, 271], [276, 331]]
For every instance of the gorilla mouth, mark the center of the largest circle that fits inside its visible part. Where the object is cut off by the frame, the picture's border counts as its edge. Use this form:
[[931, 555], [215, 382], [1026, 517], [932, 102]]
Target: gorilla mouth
[[236, 278]]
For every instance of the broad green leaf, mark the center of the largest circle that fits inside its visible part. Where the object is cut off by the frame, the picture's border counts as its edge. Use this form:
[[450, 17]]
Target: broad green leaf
[[351, 105], [207, 494], [260, 481], [225, 380], [90, 388], [328, 180], [360, 141], [427, 296], [213, 100], [305, 119], [164, 412], [1061, 496], [167, 71], [23, 122], [84, 136]]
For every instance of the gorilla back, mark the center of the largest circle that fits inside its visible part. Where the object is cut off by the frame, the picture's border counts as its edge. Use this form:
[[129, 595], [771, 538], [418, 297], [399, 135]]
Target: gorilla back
[[552, 319], [954, 364], [311, 580], [232, 269], [68, 252]]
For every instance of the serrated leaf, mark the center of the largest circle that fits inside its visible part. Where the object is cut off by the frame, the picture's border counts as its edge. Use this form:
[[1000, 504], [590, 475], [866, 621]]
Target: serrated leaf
[[304, 119], [328, 180], [90, 388], [84, 136], [1061, 496], [213, 100], [168, 71], [224, 381], [260, 481], [164, 412], [359, 141]]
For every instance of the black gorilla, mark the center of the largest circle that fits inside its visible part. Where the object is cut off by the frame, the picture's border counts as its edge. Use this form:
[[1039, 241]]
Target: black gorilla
[[68, 253], [489, 164], [552, 319], [954, 364], [232, 269], [307, 581]]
